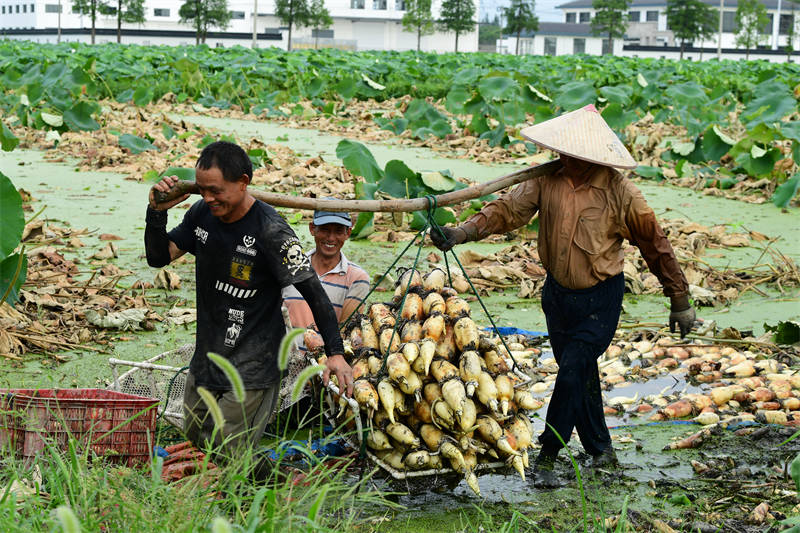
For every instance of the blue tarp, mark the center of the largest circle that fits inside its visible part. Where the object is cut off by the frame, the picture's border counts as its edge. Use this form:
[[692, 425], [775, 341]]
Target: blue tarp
[[510, 330]]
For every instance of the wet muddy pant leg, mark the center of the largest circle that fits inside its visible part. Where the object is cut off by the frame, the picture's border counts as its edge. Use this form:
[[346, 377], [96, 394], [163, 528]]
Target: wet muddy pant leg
[[244, 422], [576, 402], [581, 324]]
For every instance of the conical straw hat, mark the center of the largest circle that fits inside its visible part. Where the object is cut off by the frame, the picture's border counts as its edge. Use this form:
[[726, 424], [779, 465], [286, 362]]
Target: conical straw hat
[[582, 134]]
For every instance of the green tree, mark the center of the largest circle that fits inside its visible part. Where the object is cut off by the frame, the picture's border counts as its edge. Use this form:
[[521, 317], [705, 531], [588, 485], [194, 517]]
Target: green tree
[[690, 20], [319, 17], [457, 16], [520, 17], [129, 11], [751, 17], [91, 8], [489, 33], [610, 19], [292, 13], [205, 14], [418, 19]]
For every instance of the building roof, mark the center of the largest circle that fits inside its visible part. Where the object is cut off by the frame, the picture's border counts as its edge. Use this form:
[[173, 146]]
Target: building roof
[[587, 4], [558, 28]]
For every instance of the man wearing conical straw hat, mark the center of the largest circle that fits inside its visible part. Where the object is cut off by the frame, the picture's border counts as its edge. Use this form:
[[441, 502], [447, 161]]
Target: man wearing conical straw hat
[[586, 210]]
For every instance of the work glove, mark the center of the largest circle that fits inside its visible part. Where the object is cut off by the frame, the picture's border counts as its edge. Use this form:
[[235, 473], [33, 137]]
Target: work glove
[[681, 315], [452, 236]]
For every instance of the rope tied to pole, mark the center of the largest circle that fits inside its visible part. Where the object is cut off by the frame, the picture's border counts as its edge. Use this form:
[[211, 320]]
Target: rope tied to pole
[[436, 227], [431, 224]]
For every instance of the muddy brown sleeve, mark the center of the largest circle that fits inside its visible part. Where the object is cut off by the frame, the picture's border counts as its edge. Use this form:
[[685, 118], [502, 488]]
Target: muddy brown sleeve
[[510, 211], [645, 233]]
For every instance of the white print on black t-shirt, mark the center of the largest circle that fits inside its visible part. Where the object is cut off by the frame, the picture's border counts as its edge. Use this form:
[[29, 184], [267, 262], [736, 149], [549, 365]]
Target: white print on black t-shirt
[[248, 246], [236, 315], [235, 291], [232, 334], [201, 234], [293, 256]]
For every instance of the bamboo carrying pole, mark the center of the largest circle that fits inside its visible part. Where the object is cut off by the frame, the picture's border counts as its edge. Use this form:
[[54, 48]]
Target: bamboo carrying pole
[[382, 206]]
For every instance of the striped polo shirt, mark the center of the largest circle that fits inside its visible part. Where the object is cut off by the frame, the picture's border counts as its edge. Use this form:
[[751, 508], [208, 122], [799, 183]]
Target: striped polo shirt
[[346, 281]]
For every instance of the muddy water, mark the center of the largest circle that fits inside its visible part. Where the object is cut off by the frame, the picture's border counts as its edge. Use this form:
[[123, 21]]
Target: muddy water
[[106, 203], [312, 143], [748, 313]]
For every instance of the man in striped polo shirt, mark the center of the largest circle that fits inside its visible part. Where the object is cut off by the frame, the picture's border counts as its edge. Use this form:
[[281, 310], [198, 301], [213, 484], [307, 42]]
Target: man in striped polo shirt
[[345, 282]]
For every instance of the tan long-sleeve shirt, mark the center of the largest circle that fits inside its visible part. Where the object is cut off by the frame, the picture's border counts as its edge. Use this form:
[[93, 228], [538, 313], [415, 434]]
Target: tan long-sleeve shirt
[[581, 229]]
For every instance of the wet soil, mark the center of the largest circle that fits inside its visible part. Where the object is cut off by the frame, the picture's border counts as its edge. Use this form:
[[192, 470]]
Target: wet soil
[[748, 469]]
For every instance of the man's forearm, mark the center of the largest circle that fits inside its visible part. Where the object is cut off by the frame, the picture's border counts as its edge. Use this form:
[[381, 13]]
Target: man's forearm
[[156, 240], [324, 316]]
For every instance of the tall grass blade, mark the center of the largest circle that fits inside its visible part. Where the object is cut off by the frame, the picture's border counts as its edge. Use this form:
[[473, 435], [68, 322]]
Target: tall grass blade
[[255, 509], [231, 373], [622, 523], [156, 467], [313, 512], [213, 407], [286, 347], [69, 522], [303, 378]]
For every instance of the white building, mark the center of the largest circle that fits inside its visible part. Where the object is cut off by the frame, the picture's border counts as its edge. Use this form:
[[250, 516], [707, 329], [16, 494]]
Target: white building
[[558, 38], [649, 36], [357, 25]]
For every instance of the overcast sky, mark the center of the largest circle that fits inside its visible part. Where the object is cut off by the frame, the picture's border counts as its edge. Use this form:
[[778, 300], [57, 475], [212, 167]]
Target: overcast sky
[[545, 9]]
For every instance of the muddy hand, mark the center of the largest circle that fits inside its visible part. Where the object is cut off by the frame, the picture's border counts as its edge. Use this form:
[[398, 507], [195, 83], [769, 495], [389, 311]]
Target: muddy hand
[[164, 186], [445, 238], [342, 371], [683, 321]]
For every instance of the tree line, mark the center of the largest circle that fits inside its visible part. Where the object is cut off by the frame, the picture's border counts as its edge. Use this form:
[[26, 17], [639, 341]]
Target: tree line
[[689, 20], [456, 16]]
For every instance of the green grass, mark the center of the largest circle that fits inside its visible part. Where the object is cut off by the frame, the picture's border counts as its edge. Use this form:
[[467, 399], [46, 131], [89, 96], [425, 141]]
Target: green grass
[[106, 497]]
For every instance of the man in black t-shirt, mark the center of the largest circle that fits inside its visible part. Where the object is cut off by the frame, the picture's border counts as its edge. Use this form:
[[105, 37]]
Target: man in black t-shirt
[[245, 254]]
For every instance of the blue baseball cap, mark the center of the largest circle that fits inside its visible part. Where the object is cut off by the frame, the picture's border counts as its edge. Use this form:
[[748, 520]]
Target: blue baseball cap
[[330, 217]]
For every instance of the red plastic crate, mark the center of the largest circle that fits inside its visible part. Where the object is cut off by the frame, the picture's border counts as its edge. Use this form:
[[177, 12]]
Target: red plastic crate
[[116, 426]]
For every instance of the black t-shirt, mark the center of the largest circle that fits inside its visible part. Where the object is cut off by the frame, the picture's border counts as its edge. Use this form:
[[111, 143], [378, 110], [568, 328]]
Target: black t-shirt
[[240, 270]]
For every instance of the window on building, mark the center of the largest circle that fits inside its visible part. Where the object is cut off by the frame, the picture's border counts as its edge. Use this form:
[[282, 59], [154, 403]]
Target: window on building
[[785, 24], [570, 18], [379, 4], [51, 8], [549, 46], [237, 15], [2, 10], [32, 6], [526, 46], [767, 28], [219, 45], [585, 17], [579, 45], [17, 8], [652, 16], [160, 12], [356, 4], [729, 22], [322, 34], [400, 5], [633, 16], [607, 47]]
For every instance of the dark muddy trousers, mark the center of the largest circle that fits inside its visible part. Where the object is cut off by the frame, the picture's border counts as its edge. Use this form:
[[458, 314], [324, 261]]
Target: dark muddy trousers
[[581, 325]]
